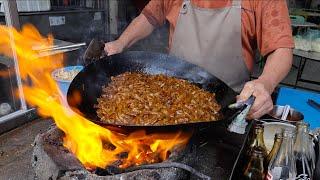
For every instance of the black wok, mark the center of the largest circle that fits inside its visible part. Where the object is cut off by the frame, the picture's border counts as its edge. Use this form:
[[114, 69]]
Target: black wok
[[90, 80]]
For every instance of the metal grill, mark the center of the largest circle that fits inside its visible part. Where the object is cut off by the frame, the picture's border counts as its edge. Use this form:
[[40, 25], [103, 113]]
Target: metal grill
[[77, 4]]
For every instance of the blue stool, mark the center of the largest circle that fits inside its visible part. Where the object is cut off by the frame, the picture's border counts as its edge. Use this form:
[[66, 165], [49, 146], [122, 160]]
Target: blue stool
[[298, 100]]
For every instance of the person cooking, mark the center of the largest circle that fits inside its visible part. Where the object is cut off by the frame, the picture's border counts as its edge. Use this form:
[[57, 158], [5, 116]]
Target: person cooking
[[221, 36]]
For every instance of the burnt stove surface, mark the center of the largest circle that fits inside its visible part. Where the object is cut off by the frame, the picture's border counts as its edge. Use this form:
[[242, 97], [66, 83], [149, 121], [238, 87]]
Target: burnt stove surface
[[211, 152], [215, 151]]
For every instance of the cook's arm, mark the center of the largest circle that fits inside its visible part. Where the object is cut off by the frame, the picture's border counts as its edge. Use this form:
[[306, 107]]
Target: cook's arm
[[138, 29], [277, 67]]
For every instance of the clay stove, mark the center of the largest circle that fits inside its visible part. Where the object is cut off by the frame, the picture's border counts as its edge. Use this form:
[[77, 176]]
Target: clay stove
[[53, 161], [213, 153]]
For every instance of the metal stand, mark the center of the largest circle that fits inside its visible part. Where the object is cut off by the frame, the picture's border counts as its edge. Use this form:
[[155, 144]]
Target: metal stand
[[24, 114], [304, 57]]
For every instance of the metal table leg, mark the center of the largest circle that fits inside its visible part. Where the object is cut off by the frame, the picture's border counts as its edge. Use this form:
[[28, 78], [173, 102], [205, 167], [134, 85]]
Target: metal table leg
[[299, 73]]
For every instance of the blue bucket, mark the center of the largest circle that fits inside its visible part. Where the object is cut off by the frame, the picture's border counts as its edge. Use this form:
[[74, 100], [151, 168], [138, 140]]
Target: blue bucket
[[64, 84]]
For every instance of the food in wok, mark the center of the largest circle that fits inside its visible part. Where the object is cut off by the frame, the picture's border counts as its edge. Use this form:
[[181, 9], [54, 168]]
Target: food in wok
[[138, 99]]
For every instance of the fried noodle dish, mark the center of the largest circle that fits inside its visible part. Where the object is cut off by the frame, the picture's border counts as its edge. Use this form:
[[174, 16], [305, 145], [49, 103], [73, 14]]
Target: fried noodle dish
[[138, 99]]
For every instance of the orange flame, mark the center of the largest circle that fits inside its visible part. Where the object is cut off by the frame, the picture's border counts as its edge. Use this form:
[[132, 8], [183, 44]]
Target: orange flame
[[93, 145]]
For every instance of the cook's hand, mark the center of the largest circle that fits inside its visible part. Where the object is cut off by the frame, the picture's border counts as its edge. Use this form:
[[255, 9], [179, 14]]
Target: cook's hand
[[261, 90], [113, 47]]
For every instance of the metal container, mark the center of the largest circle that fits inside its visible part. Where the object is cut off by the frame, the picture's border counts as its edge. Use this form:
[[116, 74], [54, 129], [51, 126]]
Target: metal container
[[293, 115], [270, 130]]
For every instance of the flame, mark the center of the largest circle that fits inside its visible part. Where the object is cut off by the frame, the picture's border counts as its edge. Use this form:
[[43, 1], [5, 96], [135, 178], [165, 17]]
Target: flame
[[94, 145]]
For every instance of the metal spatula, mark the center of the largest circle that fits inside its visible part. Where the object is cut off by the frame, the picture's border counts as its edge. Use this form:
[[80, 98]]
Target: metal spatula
[[95, 51], [239, 124]]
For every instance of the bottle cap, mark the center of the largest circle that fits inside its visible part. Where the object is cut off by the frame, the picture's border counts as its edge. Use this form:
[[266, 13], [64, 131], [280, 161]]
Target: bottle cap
[[258, 126], [303, 124]]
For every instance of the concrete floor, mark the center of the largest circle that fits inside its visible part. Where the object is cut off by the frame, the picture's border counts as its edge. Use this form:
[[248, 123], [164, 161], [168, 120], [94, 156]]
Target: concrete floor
[[16, 150]]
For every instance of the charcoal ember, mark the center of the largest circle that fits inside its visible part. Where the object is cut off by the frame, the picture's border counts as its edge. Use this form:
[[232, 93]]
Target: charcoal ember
[[101, 172], [117, 163], [122, 155], [110, 170], [149, 158], [108, 146]]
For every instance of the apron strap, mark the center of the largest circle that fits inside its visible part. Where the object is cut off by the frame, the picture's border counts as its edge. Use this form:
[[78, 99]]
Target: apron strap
[[236, 3], [184, 7], [183, 10]]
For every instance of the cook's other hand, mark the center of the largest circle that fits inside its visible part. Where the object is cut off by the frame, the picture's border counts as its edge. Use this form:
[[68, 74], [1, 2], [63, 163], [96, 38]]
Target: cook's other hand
[[114, 47], [263, 102]]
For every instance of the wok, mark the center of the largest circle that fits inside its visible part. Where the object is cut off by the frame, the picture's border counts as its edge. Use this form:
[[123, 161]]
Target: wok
[[90, 80]]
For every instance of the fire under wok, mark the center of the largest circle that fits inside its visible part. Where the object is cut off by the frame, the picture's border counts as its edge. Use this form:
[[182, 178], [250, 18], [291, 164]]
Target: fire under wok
[[88, 84]]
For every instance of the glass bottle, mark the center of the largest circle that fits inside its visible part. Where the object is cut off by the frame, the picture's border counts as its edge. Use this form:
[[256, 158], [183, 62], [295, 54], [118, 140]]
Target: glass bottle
[[302, 152], [283, 166], [254, 169], [252, 133], [312, 153], [257, 140], [275, 148]]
